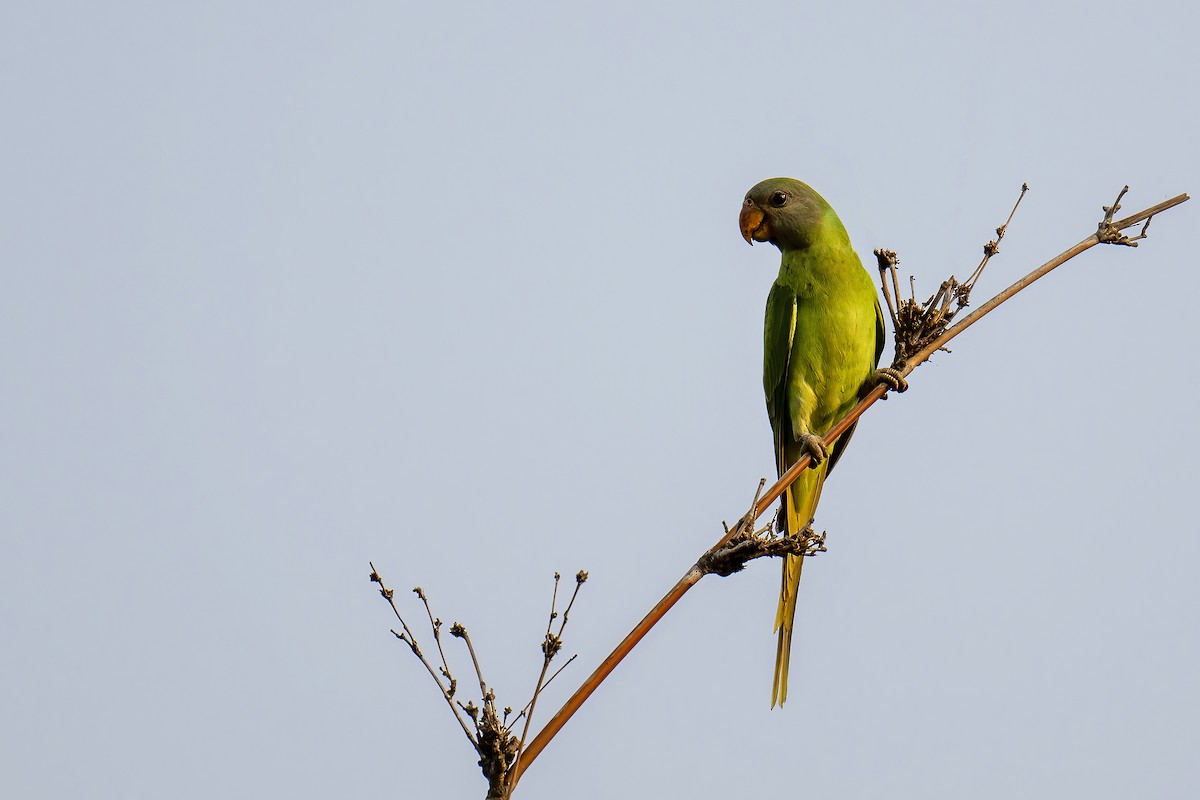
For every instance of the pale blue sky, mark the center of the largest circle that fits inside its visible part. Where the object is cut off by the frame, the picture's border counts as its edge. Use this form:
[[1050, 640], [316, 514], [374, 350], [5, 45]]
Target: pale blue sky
[[459, 288]]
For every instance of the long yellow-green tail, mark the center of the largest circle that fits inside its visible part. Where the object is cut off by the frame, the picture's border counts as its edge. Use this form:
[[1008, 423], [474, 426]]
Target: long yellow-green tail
[[799, 504]]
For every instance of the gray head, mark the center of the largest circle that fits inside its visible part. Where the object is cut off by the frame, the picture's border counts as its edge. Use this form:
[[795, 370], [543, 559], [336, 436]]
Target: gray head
[[785, 212]]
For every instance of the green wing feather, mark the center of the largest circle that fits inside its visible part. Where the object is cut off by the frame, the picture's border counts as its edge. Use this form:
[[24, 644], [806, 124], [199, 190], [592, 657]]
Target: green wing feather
[[779, 331]]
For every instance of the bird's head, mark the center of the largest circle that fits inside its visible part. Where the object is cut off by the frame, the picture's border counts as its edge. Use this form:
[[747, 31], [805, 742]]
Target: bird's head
[[784, 212]]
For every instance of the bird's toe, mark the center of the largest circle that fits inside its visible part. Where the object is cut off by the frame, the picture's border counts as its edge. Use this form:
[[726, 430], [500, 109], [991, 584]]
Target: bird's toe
[[890, 378], [814, 446]]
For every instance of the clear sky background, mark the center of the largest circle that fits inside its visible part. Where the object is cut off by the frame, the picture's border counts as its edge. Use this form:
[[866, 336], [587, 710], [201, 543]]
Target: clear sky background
[[458, 288]]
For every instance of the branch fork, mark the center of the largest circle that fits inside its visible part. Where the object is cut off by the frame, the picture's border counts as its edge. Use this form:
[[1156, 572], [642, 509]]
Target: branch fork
[[748, 543], [491, 732], [915, 324], [1108, 233]]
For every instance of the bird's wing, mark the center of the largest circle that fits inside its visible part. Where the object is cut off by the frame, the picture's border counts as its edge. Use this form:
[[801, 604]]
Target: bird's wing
[[879, 331], [778, 332]]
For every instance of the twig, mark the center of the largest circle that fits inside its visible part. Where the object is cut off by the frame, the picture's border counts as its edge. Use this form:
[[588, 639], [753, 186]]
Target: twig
[[913, 323], [549, 681], [497, 747], [436, 625], [457, 630], [1110, 232], [408, 638], [550, 648], [991, 248], [746, 523], [764, 542]]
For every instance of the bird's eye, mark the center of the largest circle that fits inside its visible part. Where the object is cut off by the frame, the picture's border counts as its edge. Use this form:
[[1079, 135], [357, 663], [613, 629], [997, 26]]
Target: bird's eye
[[778, 199], [749, 202]]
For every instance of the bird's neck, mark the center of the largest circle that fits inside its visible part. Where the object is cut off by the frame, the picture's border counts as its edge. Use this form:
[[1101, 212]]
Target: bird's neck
[[826, 260]]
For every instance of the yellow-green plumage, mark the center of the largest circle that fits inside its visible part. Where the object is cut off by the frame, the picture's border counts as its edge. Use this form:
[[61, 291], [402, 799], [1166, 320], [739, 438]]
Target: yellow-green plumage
[[822, 339]]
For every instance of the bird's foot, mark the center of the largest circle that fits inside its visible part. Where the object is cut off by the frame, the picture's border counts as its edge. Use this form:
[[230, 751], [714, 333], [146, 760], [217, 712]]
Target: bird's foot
[[815, 447], [891, 378]]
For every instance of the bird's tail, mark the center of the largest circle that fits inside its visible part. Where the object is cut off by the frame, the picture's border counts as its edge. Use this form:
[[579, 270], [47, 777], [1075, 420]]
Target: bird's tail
[[800, 501]]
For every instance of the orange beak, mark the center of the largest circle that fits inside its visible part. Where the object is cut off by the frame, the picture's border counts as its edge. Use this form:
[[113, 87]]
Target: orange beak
[[751, 223]]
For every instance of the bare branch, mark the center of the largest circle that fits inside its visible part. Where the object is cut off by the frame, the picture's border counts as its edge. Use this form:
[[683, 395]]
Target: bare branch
[[734, 555], [991, 248], [1110, 233], [913, 323], [492, 737], [460, 632], [549, 680], [921, 329], [745, 526], [436, 626], [408, 638], [550, 648]]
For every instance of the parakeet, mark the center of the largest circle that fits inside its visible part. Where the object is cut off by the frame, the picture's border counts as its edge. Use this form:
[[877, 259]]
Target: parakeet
[[821, 344]]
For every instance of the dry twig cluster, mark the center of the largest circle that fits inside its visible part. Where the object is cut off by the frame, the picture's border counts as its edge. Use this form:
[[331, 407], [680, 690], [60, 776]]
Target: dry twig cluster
[[915, 324], [764, 542], [491, 731]]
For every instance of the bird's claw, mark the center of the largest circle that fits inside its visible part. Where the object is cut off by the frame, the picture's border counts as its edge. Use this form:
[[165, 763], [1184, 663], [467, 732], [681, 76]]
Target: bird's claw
[[890, 378], [815, 447]]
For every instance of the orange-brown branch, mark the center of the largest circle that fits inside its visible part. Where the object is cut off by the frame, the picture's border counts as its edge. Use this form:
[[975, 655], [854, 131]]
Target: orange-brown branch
[[693, 575]]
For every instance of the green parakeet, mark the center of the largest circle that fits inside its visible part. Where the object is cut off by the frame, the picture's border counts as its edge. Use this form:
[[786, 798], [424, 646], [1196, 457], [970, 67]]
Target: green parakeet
[[821, 344]]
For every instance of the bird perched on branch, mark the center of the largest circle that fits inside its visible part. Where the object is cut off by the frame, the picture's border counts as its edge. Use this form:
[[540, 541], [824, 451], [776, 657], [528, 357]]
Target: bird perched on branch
[[821, 344]]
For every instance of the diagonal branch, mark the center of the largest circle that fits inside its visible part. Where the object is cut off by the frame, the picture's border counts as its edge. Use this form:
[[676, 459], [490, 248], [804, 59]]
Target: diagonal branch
[[745, 525]]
